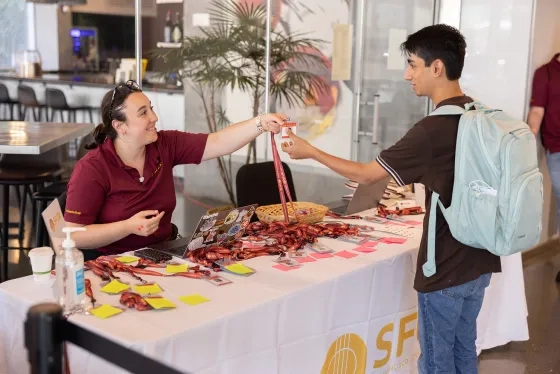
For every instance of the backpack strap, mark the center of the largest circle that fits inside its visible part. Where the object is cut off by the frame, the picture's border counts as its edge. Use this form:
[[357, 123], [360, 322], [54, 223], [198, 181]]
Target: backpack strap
[[449, 110], [429, 268]]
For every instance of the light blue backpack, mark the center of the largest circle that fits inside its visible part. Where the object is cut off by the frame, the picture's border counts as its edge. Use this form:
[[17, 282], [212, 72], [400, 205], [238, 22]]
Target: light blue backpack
[[497, 199]]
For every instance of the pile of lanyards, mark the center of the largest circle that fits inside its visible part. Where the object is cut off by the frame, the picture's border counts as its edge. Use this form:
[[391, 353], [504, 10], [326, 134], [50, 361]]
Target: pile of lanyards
[[274, 238]]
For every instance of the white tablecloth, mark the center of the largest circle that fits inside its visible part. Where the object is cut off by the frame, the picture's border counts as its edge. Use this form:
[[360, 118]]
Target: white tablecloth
[[334, 315]]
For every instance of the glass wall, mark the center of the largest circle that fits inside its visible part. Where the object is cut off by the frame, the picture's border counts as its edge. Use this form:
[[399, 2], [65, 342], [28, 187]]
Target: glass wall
[[14, 30]]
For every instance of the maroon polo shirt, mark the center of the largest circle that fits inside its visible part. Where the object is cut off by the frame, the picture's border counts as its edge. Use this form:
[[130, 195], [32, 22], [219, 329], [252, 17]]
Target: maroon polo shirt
[[546, 94], [102, 189]]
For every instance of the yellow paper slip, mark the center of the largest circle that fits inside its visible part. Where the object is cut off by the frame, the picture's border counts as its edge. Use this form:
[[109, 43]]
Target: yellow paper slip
[[148, 288], [115, 287], [193, 299], [239, 269], [105, 311], [127, 259], [172, 269], [159, 302]]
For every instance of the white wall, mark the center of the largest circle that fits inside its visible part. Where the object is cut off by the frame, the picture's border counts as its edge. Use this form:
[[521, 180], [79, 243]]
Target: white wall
[[546, 33], [495, 68]]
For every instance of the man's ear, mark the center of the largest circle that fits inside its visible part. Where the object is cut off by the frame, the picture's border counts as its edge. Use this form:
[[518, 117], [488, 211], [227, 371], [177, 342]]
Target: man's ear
[[437, 68]]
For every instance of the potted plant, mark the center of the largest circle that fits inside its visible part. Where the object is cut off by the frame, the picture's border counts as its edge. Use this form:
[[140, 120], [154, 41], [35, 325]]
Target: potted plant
[[231, 53]]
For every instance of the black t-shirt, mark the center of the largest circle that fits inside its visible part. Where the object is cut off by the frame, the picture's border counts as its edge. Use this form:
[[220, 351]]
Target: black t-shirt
[[426, 154]]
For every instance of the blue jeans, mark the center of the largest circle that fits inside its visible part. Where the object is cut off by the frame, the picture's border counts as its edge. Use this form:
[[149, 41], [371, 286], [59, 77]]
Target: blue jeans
[[553, 164], [447, 328]]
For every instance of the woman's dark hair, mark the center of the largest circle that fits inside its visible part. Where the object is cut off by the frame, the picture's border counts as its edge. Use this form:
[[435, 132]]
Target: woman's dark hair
[[111, 108], [441, 42]]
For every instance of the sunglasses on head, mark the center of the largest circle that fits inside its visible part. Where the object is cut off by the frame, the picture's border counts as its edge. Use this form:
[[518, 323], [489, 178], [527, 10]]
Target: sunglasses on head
[[131, 85]]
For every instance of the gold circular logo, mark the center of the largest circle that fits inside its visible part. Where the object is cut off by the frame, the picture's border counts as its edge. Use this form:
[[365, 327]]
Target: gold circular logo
[[346, 355], [52, 224]]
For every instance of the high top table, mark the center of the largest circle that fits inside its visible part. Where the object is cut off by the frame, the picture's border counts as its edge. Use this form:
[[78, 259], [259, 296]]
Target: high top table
[[333, 315], [35, 138]]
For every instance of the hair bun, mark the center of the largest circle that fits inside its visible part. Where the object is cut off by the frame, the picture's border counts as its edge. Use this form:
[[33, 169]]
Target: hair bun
[[99, 136]]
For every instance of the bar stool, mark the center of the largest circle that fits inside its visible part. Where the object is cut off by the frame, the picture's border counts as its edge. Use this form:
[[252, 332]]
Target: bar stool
[[28, 100], [6, 100], [56, 100], [27, 171]]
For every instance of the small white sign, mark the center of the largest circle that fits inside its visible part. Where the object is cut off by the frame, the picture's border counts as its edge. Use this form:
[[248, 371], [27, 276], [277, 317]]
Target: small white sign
[[54, 220], [201, 19], [420, 195]]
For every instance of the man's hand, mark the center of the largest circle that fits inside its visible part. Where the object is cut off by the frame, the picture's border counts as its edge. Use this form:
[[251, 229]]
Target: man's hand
[[297, 148]]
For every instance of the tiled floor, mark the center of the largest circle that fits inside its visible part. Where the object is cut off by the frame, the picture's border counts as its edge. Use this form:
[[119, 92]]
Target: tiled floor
[[539, 355]]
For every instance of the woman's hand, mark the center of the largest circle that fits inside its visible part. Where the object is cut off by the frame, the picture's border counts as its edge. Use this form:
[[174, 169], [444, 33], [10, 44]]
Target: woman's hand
[[297, 148], [273, 122], [144, 223]]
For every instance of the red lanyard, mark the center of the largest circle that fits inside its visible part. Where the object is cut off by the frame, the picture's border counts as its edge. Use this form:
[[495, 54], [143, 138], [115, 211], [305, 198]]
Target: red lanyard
[[281, 179]]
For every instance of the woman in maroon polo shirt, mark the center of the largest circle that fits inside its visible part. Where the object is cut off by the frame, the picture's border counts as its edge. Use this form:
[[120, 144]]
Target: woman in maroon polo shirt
[[122, 191]]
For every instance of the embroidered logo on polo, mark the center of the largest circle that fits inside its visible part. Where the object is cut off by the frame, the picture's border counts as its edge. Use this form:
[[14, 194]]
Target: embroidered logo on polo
[[72, 212], [157, 168]]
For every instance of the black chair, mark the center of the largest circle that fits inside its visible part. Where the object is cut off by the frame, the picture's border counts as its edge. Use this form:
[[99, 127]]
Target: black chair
[[28, 100], [9, 104], [256, 184]]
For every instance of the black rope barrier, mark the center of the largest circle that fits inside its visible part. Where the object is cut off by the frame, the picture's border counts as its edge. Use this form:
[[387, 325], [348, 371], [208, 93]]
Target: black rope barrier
[[46, 330]]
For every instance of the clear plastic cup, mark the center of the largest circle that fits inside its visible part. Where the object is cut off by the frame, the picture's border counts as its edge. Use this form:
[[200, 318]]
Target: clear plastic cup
[[41, 263]]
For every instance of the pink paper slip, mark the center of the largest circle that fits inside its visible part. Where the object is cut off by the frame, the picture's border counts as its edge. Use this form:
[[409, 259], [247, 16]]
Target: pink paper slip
[[370, 244], [319, 256], [393, 240], [364, 249], [413, 223], [302, 260], [285, 268], [345, 254]]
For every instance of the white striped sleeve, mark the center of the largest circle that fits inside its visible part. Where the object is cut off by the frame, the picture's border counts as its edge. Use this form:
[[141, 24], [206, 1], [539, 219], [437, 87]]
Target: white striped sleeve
[[408, 160], [391, 171]]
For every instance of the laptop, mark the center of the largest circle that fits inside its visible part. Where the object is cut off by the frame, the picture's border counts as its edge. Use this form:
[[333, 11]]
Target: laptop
[[365, 197], [217, 228]]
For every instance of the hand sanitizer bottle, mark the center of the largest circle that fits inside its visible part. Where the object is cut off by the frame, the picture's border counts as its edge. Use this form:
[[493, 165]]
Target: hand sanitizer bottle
[[70, 283]]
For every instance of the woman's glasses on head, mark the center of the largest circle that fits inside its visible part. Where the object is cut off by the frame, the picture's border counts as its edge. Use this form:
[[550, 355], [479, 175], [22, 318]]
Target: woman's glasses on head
[[131, 85]]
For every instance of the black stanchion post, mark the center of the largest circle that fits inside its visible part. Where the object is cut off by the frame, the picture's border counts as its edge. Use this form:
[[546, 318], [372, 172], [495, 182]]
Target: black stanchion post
[[43, 338]]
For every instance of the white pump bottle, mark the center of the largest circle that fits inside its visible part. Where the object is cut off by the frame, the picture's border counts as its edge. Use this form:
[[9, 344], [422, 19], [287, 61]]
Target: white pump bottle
[[70, 281]]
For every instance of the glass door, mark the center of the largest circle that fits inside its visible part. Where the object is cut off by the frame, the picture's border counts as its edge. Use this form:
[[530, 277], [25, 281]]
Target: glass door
[[385, 107]]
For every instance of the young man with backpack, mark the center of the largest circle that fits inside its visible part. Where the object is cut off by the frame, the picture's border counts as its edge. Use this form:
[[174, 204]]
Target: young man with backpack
[[544, 116], [452, 277]]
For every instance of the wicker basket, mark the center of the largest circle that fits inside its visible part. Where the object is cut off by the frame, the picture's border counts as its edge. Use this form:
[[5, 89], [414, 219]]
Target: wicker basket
[[306, 212]]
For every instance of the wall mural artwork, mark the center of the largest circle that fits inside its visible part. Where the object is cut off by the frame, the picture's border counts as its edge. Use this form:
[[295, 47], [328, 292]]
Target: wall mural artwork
[[315, 20]]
